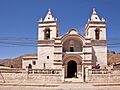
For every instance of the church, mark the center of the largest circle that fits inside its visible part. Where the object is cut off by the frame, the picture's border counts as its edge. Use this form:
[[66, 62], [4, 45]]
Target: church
[[71, 53]]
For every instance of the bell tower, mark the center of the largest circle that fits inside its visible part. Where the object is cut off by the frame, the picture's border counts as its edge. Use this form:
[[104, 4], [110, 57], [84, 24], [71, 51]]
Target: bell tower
[[96, 31], [47, 32], [96, 28], [47, 28]]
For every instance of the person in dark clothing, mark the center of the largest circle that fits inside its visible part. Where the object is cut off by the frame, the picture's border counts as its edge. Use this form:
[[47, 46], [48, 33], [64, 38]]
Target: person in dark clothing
[[29, 68], [11, 66]]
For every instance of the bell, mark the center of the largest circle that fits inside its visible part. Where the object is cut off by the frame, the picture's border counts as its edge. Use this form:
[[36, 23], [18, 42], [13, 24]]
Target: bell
[[47, 32]]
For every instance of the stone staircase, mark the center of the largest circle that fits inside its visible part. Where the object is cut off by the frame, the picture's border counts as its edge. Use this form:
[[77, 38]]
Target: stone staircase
[[73, 80]]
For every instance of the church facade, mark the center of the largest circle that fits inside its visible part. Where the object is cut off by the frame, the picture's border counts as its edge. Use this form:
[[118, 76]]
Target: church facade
[[71, 53]]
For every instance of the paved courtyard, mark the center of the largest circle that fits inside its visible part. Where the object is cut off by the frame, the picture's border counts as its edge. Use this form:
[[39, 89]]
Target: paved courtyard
[[63, 86]]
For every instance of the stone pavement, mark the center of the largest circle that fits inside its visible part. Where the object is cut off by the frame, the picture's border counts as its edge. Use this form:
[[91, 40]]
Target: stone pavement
[[60, 86]]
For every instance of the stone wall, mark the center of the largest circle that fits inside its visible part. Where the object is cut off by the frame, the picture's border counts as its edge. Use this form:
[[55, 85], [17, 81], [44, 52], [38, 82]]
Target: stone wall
[[24, 77], [104, 76]]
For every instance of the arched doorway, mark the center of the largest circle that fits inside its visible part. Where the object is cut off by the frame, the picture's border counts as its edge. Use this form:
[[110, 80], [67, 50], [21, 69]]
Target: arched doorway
[[71, 69]]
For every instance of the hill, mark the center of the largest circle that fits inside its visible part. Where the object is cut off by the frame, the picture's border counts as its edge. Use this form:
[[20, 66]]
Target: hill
[[15, 62], [113, 58]]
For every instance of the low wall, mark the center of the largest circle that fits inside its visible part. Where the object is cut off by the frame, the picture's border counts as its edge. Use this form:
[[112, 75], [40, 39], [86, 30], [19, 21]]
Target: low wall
[[49, 76], [104, 76], [23, 77], [34, 76]]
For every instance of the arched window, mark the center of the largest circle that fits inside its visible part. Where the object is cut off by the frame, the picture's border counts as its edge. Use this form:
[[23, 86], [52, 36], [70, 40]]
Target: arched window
[[72, 45], [47, 33], [97, 34]]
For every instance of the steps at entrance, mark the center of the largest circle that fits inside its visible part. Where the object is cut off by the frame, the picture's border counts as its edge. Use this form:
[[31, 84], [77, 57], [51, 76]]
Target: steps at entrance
[[73, 80]]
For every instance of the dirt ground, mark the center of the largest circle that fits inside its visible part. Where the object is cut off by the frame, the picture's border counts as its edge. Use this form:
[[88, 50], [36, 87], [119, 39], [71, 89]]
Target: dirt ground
[[63, 86]]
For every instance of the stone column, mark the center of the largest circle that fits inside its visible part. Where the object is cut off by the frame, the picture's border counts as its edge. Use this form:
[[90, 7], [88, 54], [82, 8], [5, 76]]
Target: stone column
[[83, 73], [86, 73], [63, 73]]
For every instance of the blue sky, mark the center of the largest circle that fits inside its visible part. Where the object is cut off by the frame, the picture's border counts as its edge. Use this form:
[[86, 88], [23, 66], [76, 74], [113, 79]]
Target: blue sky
[[18, 21]]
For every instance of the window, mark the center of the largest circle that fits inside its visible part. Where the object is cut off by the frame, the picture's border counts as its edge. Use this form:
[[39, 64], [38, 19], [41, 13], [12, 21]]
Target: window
[[71, 49], [97, 34], [47, 57], [34, 62], [47, 33]]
